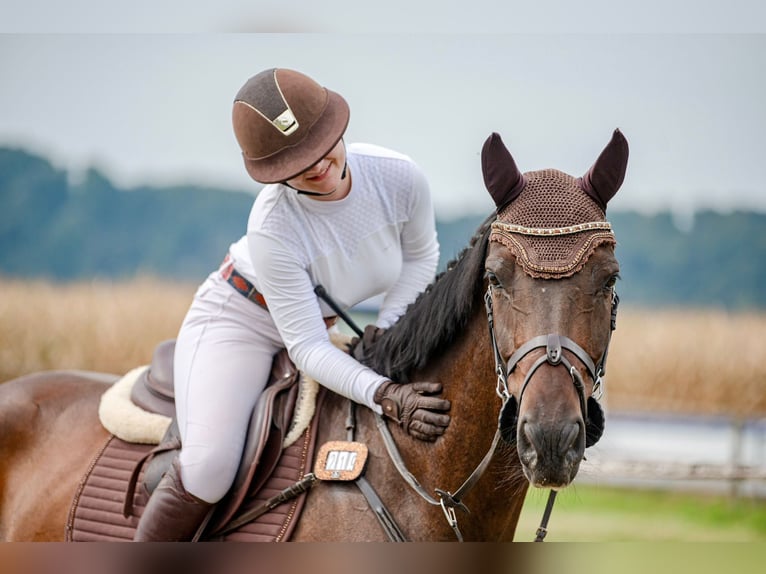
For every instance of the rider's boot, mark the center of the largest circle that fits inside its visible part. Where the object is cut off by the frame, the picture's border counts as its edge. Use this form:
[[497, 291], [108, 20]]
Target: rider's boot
[[172, 514]]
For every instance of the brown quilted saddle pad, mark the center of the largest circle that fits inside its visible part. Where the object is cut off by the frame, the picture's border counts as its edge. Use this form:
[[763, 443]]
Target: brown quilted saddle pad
[[96, 514], [270, 484]]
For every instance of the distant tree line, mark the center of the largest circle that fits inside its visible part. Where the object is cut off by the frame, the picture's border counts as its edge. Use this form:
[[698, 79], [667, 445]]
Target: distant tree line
[[53, 228]]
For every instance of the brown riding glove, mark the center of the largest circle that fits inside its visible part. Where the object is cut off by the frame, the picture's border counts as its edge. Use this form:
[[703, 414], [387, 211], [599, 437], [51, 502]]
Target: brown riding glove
[[421, 416]]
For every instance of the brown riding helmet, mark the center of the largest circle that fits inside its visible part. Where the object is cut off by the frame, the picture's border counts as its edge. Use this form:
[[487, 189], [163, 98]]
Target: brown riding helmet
[[285, 122]]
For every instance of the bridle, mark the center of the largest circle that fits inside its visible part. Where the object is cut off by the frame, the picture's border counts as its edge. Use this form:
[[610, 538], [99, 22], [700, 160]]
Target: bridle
[[554, 345]]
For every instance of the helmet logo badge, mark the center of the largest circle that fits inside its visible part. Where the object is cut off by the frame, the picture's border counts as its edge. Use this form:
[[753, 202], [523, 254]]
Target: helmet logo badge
[[286, 122]]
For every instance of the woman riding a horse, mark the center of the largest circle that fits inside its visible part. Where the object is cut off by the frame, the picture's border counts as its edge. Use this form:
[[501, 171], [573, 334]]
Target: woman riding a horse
[[521, 395], [355, 219]]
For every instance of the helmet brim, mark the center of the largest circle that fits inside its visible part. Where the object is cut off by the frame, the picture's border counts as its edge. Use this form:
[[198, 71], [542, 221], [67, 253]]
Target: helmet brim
[[321, 139]]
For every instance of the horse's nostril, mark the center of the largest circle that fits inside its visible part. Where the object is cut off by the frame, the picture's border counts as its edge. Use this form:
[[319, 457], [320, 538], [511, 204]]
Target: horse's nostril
[[570, 435], [529, 430], [527, 446]]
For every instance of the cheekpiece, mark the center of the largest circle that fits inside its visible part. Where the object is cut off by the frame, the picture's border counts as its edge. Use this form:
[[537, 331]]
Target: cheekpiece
[[552, 227]]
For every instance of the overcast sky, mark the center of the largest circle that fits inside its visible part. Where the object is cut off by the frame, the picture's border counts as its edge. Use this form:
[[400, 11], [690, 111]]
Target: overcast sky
[[155, 108]]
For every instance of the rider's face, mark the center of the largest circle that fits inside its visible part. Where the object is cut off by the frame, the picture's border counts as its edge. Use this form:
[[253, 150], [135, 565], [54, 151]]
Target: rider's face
[[324, 177]]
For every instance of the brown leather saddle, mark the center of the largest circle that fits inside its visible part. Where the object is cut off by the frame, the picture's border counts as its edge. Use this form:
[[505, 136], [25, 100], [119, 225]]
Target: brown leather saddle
[[268, 426], [112, 495]]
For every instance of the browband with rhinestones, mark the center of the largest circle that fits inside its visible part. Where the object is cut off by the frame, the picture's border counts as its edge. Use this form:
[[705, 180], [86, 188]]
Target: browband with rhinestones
[[545, 231]]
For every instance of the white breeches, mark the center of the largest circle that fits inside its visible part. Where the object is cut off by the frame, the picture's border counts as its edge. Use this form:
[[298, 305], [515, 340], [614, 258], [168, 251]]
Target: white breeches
[[223, 358]]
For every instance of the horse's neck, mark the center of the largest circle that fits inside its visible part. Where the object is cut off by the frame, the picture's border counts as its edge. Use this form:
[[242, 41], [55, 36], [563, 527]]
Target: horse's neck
[[466, 370]]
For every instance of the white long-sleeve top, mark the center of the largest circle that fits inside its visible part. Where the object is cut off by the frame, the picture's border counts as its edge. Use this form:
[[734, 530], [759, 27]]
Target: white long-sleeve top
[[380, 238]]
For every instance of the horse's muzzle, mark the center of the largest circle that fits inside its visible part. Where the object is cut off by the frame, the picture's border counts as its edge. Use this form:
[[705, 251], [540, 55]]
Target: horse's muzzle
[[550, 453]]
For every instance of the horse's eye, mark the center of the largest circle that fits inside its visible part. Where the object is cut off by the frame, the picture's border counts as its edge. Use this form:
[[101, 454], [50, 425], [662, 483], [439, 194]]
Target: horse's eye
[[492, 279], [611, 282]]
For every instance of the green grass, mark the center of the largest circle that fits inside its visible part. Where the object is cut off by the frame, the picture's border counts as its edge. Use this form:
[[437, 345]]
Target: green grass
[[594, 513]]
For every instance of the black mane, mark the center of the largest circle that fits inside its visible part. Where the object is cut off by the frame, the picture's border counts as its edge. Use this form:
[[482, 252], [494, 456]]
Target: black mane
[[438, 315]]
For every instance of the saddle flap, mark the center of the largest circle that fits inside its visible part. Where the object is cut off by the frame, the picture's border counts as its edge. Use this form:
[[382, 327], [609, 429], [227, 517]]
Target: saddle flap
[[263, 447]]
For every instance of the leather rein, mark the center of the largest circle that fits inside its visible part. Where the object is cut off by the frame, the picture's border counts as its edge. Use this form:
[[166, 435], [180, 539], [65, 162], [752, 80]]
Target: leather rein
[[447, 501]]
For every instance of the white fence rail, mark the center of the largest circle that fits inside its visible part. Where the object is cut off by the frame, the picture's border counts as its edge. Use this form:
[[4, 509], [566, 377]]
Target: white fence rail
[[721, 455]]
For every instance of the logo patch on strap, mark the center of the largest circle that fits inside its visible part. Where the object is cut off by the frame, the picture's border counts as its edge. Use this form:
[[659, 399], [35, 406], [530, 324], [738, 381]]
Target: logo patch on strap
[[340, 460]]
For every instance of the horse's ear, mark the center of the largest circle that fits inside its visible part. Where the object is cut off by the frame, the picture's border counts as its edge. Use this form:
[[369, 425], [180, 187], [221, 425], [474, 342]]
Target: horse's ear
[[605, 176], [503, 179]]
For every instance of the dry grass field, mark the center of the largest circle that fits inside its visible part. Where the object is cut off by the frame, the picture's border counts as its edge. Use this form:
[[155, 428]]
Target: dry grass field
[[697, 362], [684, 361], [98, 326]]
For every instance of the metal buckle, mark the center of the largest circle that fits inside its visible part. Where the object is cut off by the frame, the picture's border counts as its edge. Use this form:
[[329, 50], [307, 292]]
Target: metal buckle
[[449, 514], [502, 385], [449, 510], [598, 387]]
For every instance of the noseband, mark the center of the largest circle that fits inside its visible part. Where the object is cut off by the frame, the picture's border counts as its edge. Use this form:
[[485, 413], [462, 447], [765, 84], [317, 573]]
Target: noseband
[[554, 345]]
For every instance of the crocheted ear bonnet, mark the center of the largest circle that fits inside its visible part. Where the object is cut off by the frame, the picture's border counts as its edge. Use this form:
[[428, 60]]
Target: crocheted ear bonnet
[[552, 222]]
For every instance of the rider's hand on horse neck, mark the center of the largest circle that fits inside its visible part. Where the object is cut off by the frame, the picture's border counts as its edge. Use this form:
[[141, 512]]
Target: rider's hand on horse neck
[[360, 345], [421, 416]]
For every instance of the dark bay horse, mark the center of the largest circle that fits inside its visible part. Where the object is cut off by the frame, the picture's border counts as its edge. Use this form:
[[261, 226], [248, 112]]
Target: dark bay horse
[[517, 330]]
